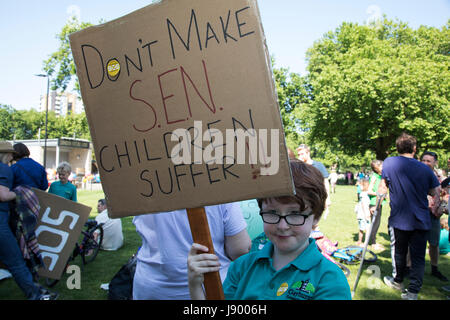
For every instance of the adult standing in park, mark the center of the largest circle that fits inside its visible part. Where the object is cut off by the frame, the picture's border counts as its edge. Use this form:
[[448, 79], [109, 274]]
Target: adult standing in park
[[63, 187], [304, 154], [430, 159], [28, 172], [161, 271], [10, 253], [375, 179], [409, 182]]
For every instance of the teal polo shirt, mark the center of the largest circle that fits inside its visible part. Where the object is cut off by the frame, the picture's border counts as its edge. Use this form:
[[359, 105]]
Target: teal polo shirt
[[309, 277], [67, 190]]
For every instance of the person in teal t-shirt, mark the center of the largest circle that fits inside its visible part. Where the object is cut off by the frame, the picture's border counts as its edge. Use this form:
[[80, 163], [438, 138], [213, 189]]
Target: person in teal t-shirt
[[289, 266], [63, 187]]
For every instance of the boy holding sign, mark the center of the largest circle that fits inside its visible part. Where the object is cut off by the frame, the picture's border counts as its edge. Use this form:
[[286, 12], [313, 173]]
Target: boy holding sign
[[290, 266]]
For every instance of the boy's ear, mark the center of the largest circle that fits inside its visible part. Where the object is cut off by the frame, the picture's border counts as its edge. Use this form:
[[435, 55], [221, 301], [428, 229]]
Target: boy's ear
[[315, 222]]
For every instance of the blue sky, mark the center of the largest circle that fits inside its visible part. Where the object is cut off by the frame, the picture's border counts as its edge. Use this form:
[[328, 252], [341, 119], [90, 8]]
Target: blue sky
[[28, 31]]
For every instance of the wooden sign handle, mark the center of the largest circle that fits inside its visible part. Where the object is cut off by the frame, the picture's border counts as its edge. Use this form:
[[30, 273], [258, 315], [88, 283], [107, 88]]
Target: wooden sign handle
[[201, 235]]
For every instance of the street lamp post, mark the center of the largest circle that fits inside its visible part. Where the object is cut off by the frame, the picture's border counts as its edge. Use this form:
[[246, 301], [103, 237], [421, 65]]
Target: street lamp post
[[46, 116]]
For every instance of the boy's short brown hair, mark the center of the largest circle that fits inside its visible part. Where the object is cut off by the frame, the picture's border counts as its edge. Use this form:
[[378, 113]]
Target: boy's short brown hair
[[309, 188]]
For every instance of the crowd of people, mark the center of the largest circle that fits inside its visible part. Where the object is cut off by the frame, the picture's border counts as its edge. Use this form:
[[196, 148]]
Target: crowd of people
[[24, 174], [288, 265]]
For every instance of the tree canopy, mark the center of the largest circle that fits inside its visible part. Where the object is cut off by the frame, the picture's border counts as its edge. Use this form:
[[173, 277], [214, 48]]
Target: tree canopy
[[368, 83], [365, 85], [29, 124], [60, 65]]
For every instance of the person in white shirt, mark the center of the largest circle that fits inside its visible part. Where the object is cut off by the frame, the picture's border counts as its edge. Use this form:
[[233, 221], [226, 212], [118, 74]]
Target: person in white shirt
[[161, 270], [112, 228]]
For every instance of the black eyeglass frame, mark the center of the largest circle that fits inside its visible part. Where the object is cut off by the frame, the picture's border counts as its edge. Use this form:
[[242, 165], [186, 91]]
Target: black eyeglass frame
[[305, 216]]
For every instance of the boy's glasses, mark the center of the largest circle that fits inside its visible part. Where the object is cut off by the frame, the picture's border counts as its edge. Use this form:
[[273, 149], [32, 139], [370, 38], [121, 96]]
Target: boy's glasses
[[294, 218]]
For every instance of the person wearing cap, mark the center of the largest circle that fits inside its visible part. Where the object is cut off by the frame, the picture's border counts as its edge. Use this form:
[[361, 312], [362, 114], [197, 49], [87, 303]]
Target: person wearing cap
[[28, 172], [10, 253]]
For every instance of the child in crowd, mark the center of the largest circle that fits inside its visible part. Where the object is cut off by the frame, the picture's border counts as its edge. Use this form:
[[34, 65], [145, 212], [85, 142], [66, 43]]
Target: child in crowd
[[362, 211], [63, 187], [444, 241], [289, 266]]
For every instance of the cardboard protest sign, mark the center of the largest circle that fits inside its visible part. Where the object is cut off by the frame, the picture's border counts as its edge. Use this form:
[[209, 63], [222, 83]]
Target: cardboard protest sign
[[58, 230], [182, 107]]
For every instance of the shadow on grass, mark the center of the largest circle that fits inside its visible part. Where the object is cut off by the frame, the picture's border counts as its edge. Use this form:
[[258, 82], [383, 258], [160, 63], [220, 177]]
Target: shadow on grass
[[385, 236]]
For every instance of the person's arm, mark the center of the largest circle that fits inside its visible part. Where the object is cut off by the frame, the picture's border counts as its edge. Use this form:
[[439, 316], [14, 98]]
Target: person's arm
[[198, 263], [50, 189], [237, 245], [327, 188], [382, 189], [6, 194], [435, 203], [74, 194], [44, 181], [366, 210], [370, 191]]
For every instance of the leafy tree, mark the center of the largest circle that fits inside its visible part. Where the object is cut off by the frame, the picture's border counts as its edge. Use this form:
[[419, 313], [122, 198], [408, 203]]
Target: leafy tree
[[76, 125], [291, 90], [30, 124], [6, 122], [370, 83], [60, 66]]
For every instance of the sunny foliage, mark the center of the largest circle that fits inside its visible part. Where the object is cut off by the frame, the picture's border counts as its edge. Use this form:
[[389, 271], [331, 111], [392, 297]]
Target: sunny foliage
[[371, 82]]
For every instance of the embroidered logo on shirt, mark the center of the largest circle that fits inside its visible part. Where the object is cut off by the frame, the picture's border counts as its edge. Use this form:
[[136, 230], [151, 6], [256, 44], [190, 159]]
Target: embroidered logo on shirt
[[282, 289], [302, 289]]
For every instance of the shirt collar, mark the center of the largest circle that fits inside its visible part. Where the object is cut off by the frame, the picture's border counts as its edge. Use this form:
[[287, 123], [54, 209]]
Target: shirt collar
[[308, 259]]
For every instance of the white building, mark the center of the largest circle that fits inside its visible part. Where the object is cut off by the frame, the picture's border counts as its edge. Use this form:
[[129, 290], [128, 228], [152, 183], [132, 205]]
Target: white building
[[77, 152], [62, 103]]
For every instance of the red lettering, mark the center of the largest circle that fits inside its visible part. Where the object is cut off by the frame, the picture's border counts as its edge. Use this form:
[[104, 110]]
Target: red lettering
[[183, 75], [148, 104], [164, 98]]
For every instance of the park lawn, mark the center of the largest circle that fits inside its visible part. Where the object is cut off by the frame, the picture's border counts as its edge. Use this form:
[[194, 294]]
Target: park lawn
[[340, 225]]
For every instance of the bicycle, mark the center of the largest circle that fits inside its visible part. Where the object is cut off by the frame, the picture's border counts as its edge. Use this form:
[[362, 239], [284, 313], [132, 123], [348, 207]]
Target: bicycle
[[353, 254], [87, 249], [344, 269]]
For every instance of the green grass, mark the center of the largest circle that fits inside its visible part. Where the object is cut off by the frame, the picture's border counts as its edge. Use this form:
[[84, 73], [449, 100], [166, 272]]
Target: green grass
[[340, 225]]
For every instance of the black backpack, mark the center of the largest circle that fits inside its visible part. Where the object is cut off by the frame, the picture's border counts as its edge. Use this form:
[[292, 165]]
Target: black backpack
[[121, 285]]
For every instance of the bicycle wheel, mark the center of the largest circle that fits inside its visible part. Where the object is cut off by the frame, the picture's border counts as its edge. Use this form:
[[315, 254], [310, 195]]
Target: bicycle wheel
[[344, 269], [356, 252], [91, 246], [52, 282], [370, 256]]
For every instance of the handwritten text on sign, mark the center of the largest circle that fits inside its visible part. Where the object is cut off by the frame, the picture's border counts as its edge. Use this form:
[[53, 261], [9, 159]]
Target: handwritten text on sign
[[176, 95]]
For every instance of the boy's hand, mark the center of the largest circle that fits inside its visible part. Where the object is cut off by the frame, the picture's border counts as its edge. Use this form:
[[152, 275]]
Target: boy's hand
[[199, 263]]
